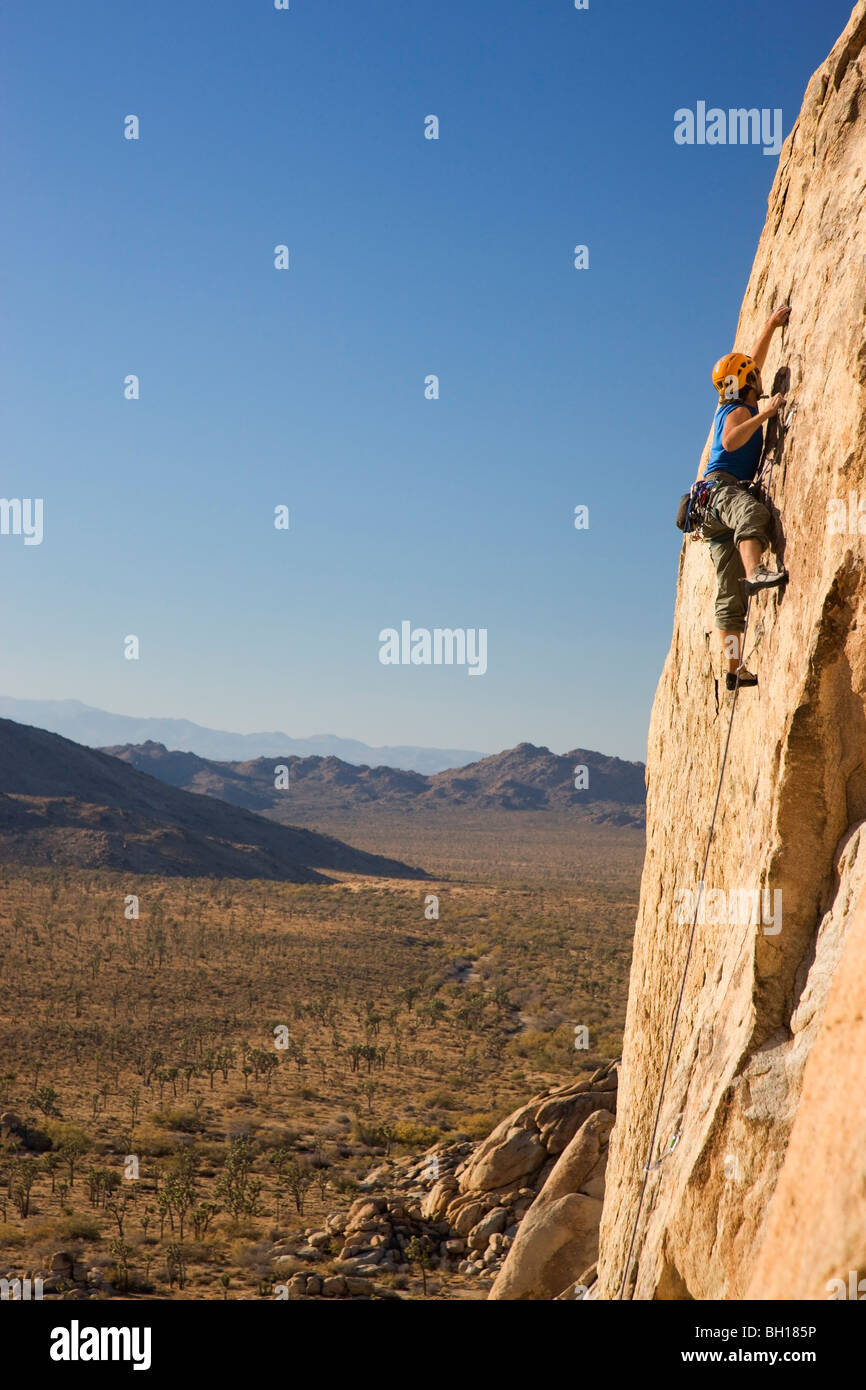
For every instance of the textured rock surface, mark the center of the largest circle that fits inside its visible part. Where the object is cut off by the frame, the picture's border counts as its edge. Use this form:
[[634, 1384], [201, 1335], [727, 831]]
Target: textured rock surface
[[530, 1138], [559, 1234], [763, 1195]]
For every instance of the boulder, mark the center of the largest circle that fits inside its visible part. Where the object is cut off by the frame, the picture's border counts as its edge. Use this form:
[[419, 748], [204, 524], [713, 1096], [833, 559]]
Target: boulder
[[560, 1231], [366, 1208], [554, 1239], [511, 1151], [465, 1213], [436, 1202], [377, 1177], [560, 1119], [358, 1287], [492, 1223]]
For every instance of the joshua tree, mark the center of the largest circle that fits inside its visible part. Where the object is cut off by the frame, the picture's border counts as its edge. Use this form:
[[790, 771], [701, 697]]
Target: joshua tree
[[175, 1265], [202, 1217], [116, 1207], [235, 1185], [121, 1252], [71, 1149], [179, 1192], [45, 1098], [417, 1252], [23, 1177], [51, 1162], [297, 1178]]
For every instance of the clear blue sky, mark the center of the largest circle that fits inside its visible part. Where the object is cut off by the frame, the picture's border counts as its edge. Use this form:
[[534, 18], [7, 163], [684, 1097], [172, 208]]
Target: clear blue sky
[[306, 387]]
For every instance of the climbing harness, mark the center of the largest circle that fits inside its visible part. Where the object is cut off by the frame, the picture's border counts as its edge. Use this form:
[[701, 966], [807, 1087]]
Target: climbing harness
[[695, 504], [770, 457]]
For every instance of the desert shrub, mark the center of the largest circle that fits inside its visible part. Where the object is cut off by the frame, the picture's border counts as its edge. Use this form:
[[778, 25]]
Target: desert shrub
[[256, 1257], [61, 1132], [78, 1227], [156, 1143], [552, 1049], [439, 1100], [239, 1129], [363, 1132], [276, 1136], [10, 1235], [187, 1121], [416, 1136], [478, 1124], [211, 1153]]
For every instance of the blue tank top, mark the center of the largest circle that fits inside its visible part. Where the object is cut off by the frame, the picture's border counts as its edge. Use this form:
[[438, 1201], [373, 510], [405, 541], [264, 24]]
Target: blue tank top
[[742, 462]]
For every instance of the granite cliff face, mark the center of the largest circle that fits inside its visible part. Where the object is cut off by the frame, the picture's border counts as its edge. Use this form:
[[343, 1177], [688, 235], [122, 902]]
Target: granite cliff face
[[764, 1193]]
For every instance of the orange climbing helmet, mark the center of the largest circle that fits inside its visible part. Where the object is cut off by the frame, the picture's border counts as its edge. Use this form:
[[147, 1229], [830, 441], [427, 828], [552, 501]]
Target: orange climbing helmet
[[733, 373]]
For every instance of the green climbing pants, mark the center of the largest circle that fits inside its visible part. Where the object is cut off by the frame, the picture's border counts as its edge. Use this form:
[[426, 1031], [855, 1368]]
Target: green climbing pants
[[734, 516]]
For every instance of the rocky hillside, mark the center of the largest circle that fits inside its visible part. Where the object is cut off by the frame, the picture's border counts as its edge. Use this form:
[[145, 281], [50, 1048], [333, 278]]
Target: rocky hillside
[[61, 803], [515, 1216], [524, 778], [762, 1195]]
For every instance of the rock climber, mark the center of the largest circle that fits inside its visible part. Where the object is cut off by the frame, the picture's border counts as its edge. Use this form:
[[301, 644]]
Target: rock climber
[[737, 524]]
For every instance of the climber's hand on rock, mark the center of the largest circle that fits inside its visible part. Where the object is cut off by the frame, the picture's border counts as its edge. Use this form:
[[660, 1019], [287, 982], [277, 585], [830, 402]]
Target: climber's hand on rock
[[773, 406], [781, 316]]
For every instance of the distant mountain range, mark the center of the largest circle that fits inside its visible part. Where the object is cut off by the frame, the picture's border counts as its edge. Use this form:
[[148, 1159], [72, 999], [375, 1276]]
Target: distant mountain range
[[63, 804], [96, 728], [525, 778]]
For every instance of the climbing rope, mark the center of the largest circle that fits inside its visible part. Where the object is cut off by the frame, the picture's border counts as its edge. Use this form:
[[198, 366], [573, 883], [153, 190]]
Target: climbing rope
[[649, 1166], [769, 459]]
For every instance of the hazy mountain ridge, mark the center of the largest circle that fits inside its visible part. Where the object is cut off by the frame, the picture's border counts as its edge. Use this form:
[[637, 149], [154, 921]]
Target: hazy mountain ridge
[[522, 778], [61, 803], [97, 728]]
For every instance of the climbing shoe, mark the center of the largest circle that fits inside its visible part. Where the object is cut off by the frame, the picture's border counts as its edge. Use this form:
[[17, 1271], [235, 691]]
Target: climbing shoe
[[762, 578], [746, 678]]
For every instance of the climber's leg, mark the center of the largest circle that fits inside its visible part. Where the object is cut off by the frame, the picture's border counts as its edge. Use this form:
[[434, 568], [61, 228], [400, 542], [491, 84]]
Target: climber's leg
[[732, 649], [751, 551], [750, 522], [730, 605]]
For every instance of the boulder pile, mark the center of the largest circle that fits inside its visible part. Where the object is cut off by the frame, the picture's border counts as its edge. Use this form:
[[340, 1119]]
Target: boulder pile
[[518, 1211]]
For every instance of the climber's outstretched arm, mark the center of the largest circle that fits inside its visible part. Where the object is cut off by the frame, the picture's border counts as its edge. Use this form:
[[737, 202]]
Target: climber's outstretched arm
[[776, 320]]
